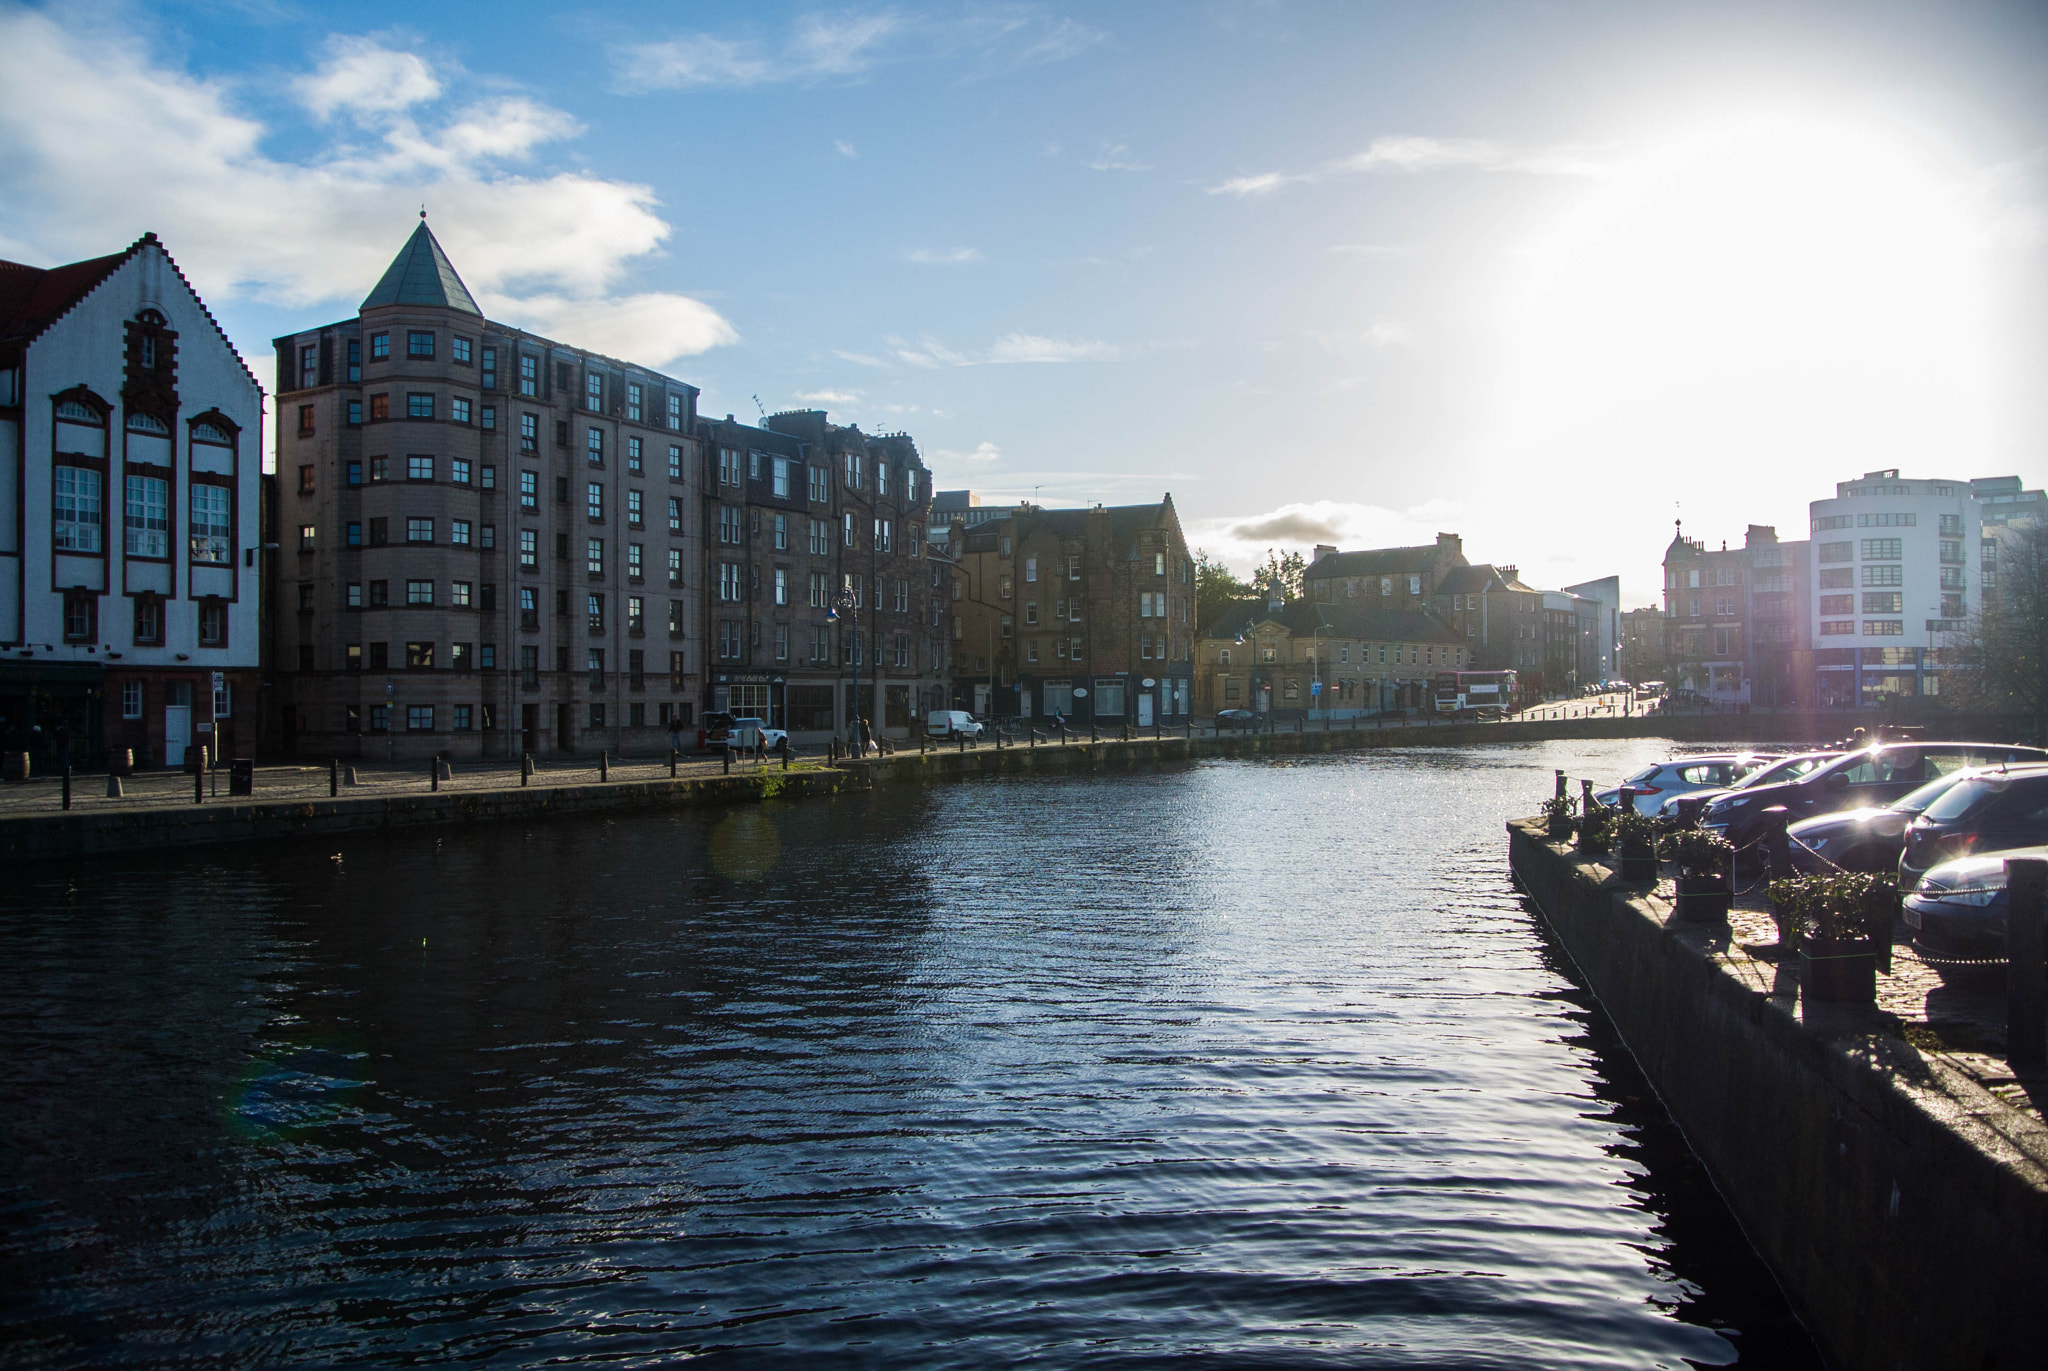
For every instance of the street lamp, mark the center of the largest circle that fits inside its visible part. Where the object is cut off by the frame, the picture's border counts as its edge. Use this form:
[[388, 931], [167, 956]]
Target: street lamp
[[848, 607]]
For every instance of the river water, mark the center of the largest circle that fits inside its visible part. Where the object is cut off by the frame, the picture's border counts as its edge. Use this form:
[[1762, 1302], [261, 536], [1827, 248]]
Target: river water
[[1242, 1064]]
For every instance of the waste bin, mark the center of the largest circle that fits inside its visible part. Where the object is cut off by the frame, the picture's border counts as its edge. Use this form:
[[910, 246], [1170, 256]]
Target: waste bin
[[242, 776], [195, 758]]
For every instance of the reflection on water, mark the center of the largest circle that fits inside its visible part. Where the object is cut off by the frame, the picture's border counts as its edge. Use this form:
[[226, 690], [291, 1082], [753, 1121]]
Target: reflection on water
[[1258, 1060]]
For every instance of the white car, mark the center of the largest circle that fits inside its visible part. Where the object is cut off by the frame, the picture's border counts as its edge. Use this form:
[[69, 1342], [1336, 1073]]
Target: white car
[[1784, 769], [1663, 781], [744, 727]]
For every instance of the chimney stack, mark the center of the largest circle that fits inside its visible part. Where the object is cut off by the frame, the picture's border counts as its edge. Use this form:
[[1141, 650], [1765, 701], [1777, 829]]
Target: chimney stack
[[1322, 550]]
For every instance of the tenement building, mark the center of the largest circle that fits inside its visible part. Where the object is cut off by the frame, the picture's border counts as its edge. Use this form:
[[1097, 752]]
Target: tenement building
[[1309, 657], [821, 602], [489, 537], [130, 516], [1087, 614]]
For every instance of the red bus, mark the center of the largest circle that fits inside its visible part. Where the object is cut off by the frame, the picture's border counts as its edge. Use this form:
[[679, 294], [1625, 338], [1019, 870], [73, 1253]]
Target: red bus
[[1474, 694]]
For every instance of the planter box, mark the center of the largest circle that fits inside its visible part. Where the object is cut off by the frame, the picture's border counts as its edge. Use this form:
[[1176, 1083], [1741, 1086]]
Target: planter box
[[1638, 863], [1840, 972], [1704, 899], [1560, 829], [14, 767]]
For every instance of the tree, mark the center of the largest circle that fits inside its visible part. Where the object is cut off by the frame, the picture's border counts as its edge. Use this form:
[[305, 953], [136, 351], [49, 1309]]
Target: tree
[[2003, 665], [1285, 570], [1216, 589]]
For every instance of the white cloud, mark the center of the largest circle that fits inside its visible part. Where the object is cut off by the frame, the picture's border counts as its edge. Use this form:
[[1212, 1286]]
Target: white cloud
[[98, 141], [363, 76], [1242, 540], [842, 46], [936, 255], [1117, 157], [693, 60], [845, 149], [1368, 250], [859, 358], [1413, 154], [1388, 333], [829, 397], [984, 454], [929, 352]]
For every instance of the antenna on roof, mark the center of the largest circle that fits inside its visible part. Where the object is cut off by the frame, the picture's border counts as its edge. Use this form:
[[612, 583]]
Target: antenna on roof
[[763, 408]]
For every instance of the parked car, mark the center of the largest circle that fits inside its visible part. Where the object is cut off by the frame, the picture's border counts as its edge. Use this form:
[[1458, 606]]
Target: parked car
[[1867, 839], [952, 723], [1989, 812], [738, 730], [1684, 775], [1783, 769], [1236, 718], [1867, 777], [1957, 910]]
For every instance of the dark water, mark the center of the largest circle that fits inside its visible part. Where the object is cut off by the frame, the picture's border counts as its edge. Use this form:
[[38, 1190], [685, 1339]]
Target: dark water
[[1246, 1064]]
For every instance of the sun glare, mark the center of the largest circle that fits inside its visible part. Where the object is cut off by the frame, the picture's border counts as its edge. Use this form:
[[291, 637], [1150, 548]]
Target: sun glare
[[1777, 301]]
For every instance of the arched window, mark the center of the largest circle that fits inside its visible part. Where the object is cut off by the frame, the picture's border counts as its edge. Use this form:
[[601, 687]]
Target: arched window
[[211, 433], [150, 424], [149, 318], [79, 412]]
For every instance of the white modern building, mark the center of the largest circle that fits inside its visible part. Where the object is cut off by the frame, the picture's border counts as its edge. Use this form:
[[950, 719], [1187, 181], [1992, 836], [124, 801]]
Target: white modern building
[[130, 514], [1895, 574]]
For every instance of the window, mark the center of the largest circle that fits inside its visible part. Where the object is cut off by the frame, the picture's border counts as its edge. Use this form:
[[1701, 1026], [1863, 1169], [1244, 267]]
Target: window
[[633, 560], [1879, 602], [458, 409], [821, 538], [419, 468], [77, 509], [902, 596], [210, 523], [728, 524], [633, 403], [675, 462], [146, 517], [1883, 628], [593, 391], [529, 375], [594, 612], [529, 549], [1882, 549], [380, 469], [1030, 569], [675, 566], [633, 513], [1951, 577], [636, 614], [883, 530], [419, 530], [418, 592], [458, 594], [593, 556], [213, 623], [881, 478], [379, 596], [593, 503], [1884, 575], [1838, 604], [675, 413], [419, 344], [593, 445], [819, 489], [729, 640], [1836, 552], [149, 621], [782, 585], [782, 482], [418, 405], [1834, 628], [853, 470], [781, 533], [729, 581], [1073, 568], [380, 407], [380, 347]]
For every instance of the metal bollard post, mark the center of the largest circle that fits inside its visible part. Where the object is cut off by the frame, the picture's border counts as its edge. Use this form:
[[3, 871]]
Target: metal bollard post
[[785, 754], [67, 785], [1626, 801], [963, 744], [434, 773], [114, 791], [1586, 800], [199, 787], [2026, 981], [673, 758], [525, 768], [604, 765], [333, 777], [725, 761], [1560, 785]]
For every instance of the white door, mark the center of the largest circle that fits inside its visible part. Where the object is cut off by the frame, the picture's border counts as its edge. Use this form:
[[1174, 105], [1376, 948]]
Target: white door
[[1144, 709], [177, 733], [981, 700]]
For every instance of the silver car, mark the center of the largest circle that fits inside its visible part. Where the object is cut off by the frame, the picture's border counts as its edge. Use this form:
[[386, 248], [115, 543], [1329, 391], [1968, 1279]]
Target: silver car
[[1663, 781]]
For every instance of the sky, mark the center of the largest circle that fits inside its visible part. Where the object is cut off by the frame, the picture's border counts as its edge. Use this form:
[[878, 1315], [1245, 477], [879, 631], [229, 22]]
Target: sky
[[1547, 275]]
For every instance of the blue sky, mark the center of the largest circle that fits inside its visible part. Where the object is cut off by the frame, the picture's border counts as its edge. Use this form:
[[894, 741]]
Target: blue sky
[[1544, 274]]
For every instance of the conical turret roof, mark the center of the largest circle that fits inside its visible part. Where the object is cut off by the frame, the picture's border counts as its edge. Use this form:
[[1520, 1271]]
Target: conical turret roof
[[421, 274]]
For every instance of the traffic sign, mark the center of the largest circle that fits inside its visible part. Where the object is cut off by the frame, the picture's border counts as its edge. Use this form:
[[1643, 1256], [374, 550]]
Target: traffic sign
[[1315, 687], [220, 678]]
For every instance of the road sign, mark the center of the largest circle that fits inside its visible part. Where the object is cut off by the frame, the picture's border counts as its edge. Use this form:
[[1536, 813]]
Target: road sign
[[390, 689], [1315, 687]]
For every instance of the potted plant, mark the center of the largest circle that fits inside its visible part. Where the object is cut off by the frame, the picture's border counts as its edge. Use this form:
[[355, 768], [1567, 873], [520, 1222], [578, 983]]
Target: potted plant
[[1702, 858], [1557, 814], [1636, 835], [1836, 921], [1596, 830]]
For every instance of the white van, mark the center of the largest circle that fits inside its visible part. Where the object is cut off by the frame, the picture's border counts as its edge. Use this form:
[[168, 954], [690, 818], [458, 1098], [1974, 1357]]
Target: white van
[[952, 723]]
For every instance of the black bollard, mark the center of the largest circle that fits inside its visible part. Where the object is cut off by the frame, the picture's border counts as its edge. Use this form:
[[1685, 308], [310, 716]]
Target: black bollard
[[604, 765], [785, 753], [67, 785], [434, 773], [333, 777], [113, 786], [673, 758], [199, 787], [2026, 981], [525, 768], [1561, 785], [963, 743], [725, 768]]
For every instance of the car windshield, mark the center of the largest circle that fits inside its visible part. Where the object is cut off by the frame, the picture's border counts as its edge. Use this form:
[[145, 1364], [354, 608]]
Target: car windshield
[[1962, 797], [1917, 801], [1791, 769], [1647, 773]]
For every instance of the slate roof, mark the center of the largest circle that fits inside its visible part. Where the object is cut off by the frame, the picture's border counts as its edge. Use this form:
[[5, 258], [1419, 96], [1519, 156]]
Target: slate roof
[[1381, 561], [1470, 580], [1300, 618], [1125, 521], [421, 274]]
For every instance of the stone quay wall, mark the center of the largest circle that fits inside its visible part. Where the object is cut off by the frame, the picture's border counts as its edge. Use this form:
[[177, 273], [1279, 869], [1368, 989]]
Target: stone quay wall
[[1903, 1207]]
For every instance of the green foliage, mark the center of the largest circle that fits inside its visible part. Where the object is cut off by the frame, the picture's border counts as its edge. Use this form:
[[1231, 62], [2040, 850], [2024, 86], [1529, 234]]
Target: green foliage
[[1285, 571], [1634, 830], [1596, 829], [1843, 906], [1560, 807], [1216, 589], [1696, 850]]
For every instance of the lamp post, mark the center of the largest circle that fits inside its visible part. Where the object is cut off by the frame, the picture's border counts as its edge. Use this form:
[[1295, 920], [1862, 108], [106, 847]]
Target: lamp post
[[848, 607]]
